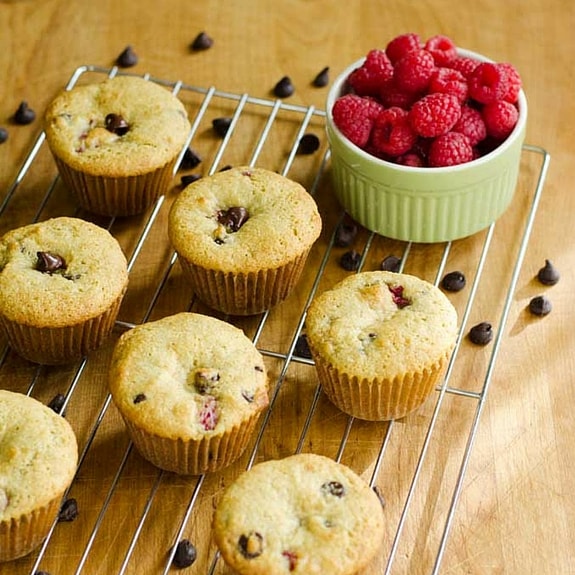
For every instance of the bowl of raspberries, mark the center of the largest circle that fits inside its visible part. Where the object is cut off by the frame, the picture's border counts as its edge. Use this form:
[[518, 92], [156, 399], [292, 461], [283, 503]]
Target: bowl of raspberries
[[426, 139]]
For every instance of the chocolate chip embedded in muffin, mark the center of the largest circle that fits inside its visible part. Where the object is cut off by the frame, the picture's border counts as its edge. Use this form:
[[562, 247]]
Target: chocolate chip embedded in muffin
[[453, 281], [206, 380], [548, 274], [334, 488], [139, 398], [251, 545], [233, 218], [48, 262], [481, 334], [116, 124]]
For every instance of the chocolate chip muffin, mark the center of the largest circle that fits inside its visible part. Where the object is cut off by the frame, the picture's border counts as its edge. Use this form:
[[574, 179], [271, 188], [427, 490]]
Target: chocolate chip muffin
[[116, 142], [304, 514], [381, 342], [38, 458], [61, 285], [191, 389], [242, 237]]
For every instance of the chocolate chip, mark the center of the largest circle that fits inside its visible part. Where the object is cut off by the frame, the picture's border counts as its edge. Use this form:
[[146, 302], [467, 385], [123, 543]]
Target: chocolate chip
[[233, 218], [139, 398], [41, 573], [24, 114], [185, 554], [350, 261], [3, 135], [481, 334], [202, 42], [322, 79], [548, 274], [453, 281], [49, 263], [190, 160], [189, 179], [308, 144], [69, 510], [334, 488], [127, 58], [251, 545], [391, 263], [540, 305], [259, 368], [221, 125], [225, 168], [57, 403], [116, 124], [302, 347], [345, 233], [205, 380], [284, 88], [248, 395]]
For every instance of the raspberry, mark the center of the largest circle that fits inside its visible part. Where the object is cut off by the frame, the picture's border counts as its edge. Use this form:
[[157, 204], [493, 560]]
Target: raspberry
[[465, 65], [434, 114], [500, 118], [450, 149], [354, 117], [514, 82], [401, 45], [392, 134], [488, 83], [471, 124], [413, 72], [411, 159], [442, 49], [390, 95], [208, 414], [449, 81], [368, 78]]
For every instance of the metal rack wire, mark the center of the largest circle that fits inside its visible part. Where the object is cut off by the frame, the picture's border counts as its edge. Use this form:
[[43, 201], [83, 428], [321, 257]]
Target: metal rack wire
[[272, 129]]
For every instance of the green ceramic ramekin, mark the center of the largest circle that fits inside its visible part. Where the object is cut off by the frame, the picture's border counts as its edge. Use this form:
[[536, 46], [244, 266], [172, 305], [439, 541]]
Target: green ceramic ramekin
[[423, 205]]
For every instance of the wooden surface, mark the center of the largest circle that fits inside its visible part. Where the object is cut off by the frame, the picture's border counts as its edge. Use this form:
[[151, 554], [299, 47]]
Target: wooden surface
[[516, 510]]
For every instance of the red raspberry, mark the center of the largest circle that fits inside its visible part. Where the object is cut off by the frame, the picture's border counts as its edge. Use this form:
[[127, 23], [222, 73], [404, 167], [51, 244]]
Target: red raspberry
[[442, 49], [449, 150], [368, 78], [392, 133], [411, 159], [354, 117], [488, 83], [434, 114], [500, 118], [465, 65], [471, 124], [413, 72], [401, 45], [208, 414], [514, 81], [449, 81]]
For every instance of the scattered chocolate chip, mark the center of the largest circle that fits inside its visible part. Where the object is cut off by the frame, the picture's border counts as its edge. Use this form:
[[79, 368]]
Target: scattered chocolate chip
[[190, 160], [548, 274], [251, 545], [302, 347], [308, 144], [225, 168], [221, 125], [453, 281], [350, 261], [24, 114], [202, 42], [41, 573], [116, 124], [3, 134], [57, 403], [345, 233], [127, 58], [481, 334], [49, 263], [233, 218], [185, 554], [397, 296], [189, 179], [284, 88], [205, 380], [540, 305], [139, 398], [334, 488], [69, 510], [322, 79], [390, 263]]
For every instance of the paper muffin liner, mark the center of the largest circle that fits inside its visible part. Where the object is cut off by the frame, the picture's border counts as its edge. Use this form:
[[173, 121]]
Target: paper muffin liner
[[379, 399], [122, 196], [20, 536], [58, 345], [193, 457], [244, 293]]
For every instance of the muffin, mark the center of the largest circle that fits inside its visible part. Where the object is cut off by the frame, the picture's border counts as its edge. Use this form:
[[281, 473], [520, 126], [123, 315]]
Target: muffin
[[190, 389], [38, 459], [380, 342], [302, 514], [61, 285], [242, 237], [116, 142]]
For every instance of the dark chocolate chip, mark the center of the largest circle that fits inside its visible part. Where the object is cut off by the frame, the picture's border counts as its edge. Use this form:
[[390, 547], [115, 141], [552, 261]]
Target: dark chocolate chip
[[190, 160], [248, 395], [302, 347], [3, 134], [202, 42], [41, 573], [322, 79], [205, 380], [116, 124], [49, 263], [308, 144], [185, 554], [453, 281], [69, 510], [57, 403], [221, 125], [481, 334], [189, 179], [345, 233], [127, 58], [284, 88], [233, 218], [259, 368], [548, 274], [225, 168], [540, 305], [350, 261], [251, 545], [24, 114], [334, 488], [139, 398], [391, 263]]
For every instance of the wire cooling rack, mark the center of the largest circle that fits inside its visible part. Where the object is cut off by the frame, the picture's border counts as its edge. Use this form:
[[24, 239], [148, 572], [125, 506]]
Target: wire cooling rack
[[131, 515]]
